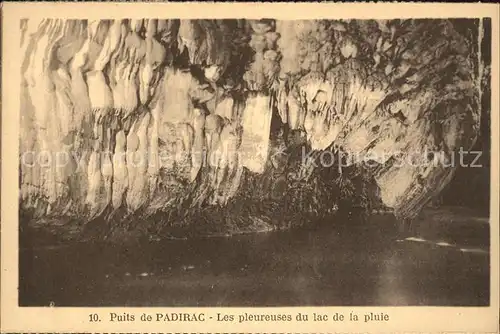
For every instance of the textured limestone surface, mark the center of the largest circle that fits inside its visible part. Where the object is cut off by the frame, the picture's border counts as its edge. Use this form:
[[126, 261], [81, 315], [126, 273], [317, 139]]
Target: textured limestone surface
[[155, 125]]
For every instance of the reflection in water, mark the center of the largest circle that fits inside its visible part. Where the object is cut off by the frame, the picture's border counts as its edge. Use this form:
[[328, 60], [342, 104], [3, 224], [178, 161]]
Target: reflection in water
[[390, 289], [333, 264]]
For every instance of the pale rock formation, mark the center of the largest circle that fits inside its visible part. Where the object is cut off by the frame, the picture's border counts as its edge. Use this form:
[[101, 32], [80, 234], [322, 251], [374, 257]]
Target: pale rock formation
[[153, 114]]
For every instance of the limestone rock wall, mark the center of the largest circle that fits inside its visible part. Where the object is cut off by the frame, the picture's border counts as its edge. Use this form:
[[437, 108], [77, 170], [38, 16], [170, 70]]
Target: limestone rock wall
[[138, 116]]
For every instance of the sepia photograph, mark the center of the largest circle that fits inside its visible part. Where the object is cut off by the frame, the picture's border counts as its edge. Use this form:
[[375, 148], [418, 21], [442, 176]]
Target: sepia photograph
[[251, 162], [254, 162]]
